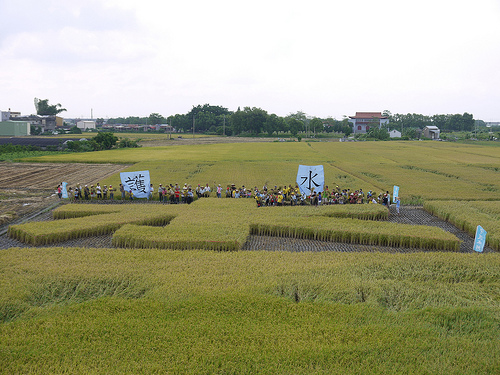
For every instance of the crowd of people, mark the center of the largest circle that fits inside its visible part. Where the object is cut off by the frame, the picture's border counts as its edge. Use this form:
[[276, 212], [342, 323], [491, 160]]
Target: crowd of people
[[277, 196]]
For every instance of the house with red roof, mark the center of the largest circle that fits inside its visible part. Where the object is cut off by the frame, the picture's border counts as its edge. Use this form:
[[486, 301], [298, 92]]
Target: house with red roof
[[363, 121]]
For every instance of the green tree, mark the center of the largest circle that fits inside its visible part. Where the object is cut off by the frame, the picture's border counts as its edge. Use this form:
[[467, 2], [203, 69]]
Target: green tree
[[105, 140], [237, 121], [345, 127], [35, 130], [316, 125], [272, 124], [377, 133], [125, 142], [156, 119], [294, 125], [249, 120], [208, 117], [75, 130], [411, 133], [43, 108], [180, 122]]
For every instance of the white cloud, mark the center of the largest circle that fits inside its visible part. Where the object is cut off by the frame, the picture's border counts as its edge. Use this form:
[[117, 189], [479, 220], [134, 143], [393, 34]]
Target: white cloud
[[322, 57]]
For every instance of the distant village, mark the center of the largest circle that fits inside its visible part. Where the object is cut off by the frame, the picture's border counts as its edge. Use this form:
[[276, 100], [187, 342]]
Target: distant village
[[15, 124]]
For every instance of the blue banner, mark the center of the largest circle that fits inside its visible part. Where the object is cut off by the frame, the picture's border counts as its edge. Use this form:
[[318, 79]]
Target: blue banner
[[309, 178], [64, 191], [480, 239], [395, 193], [138, 182]]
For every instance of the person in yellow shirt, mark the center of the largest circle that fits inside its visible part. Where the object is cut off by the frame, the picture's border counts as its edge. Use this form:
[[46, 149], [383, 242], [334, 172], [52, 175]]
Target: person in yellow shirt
[[279, 199]]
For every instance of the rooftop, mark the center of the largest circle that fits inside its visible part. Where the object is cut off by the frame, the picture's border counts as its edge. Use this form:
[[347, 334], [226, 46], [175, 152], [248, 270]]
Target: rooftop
[[368, 115]]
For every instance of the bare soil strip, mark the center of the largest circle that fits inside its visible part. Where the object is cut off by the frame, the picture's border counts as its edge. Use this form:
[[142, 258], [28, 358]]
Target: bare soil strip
[[43, 176], [26, 188]]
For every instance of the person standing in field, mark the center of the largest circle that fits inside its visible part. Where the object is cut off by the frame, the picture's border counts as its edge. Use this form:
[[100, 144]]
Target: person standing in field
[[190, 196], [398, 204], [86, 192], [171, 194], [219, 191], [385, 200], [99, 191], [122, 190], [111, 192], [151, 191], [177, 195], [279, 199], [206, 191], [160, 193]]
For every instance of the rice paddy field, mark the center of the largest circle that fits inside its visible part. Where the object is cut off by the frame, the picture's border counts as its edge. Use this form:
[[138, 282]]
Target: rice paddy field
[[176, 307], [430, 170]]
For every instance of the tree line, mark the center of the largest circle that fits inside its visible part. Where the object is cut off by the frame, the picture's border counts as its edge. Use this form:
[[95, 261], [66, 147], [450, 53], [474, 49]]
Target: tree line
[[254, 121], [445, 123], [249, 120]]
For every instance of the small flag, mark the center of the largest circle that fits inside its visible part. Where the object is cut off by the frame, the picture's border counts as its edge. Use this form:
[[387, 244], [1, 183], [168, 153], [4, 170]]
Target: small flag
[[480, 239], [64, 191], [395, 193]]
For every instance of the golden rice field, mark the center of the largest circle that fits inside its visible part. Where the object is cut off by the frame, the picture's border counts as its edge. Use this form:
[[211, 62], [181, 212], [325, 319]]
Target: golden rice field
[[148, 310], [151, 311], [229, 225], [430, 170], [468, 215]]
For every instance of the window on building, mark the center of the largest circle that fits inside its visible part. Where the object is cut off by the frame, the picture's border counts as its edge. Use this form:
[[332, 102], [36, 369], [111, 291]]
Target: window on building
[[359, 127]]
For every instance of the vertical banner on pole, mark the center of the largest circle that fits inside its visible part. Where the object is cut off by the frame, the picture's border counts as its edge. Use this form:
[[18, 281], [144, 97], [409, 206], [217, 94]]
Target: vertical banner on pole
[[480, 239], [138, 182], [310, 177], [64, 191], [395, 193]]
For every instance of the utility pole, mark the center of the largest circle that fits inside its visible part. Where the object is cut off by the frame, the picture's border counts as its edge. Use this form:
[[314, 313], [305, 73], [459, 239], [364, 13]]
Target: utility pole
[[224, 126], [193, 125]]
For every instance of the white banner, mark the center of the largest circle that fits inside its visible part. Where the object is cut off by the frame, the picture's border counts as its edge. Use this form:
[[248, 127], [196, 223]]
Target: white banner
[[395, 193], [310, 177], [64, 190], [138, 182], [480, 239]]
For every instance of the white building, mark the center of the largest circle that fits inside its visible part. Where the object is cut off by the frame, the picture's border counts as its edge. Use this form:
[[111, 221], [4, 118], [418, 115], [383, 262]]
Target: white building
[[395, 134], [84, 124], [363, 121]]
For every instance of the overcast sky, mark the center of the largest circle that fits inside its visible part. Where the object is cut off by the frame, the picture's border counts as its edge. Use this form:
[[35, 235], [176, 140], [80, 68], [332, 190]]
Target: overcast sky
[[325, 58]]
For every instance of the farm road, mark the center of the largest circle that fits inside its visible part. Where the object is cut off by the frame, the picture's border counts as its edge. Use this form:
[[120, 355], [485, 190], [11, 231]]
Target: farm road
[[409, 215]]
